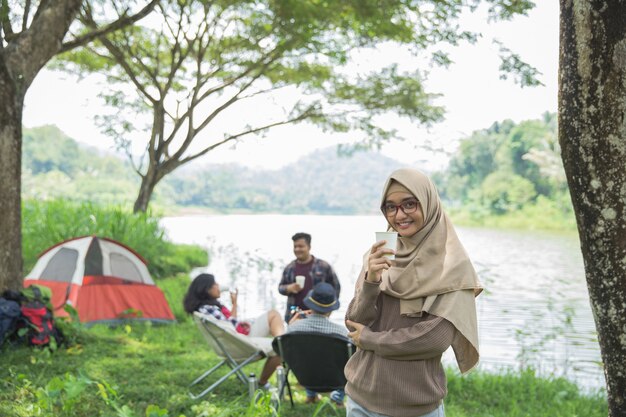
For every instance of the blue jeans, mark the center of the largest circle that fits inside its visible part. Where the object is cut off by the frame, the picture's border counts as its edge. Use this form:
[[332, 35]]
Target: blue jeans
[[336, 395], [355, 410]]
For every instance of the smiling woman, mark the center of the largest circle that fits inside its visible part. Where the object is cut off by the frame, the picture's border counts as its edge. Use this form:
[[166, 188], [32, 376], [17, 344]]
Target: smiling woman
[[402, 210], [406, 312]]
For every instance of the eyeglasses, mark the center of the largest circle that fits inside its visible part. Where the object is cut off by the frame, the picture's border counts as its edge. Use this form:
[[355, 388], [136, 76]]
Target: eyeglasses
[[407, 207]]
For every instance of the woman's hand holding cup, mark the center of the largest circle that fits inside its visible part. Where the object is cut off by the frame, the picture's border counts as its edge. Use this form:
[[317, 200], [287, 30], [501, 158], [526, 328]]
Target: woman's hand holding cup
[[378, 261], [233, 295]]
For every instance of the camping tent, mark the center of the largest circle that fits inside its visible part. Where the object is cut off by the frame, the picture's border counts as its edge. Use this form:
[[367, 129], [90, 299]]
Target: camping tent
[[104, 280]]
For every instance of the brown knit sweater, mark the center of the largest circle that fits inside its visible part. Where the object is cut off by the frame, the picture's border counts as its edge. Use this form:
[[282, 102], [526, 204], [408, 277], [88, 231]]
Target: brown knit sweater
[[397, 371]]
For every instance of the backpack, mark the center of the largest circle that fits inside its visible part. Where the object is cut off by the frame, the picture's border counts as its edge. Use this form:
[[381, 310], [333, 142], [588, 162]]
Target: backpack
[[10, 313], [38, 316]]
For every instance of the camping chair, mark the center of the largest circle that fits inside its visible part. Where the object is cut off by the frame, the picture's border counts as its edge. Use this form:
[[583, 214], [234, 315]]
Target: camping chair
[[235, 350], [317, 360]]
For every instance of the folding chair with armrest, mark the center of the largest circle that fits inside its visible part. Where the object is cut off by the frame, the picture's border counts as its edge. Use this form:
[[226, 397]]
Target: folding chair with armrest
[[317, 360], [234, 350]]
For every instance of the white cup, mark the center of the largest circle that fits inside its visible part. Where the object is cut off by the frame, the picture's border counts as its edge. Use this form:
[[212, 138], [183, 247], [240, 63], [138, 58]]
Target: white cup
[[300, 280], [391, 238]]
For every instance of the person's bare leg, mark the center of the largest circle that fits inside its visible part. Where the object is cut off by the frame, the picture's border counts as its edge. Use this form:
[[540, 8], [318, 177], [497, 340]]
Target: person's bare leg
[[275, 322], [268, 369], [277, 328]]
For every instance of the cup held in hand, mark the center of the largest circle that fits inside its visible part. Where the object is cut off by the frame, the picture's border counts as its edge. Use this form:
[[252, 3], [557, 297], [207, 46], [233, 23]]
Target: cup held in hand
[[391, 239], [300, 280]]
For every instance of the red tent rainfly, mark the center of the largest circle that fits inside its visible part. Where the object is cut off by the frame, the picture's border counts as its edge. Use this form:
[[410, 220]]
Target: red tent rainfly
[[104, 280]]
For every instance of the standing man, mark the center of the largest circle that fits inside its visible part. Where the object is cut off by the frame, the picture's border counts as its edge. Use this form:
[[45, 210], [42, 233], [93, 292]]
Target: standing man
[[313, 270]]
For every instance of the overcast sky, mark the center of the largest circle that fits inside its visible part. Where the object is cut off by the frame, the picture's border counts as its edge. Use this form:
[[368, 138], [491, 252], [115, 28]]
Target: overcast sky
[[473, 95]]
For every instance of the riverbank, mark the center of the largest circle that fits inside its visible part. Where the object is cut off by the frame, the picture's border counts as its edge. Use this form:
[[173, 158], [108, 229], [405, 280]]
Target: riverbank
[[127, 370], [528, 219]]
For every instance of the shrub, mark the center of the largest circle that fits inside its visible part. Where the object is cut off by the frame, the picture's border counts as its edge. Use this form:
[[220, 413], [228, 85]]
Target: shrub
[[47, 223]]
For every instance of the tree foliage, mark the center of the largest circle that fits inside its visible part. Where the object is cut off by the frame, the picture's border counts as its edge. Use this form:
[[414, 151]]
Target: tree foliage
[[195, 65], [507, 166]]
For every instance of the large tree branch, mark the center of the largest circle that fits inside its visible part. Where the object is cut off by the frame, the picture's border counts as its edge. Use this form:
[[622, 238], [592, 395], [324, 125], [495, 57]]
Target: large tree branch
[[131, 159], [138, 55], [200, 56], [270, 57], [305, 115], [265, 61], [265, 91], [175, 50], [5, 21], [261, 70], [192, 132], [179, 120], [118, 56], [176, 62], [123, 21], [201, 51], [27, 5], [43, 4], [41, 41], [121, 60], [266, 58], [156, 147]]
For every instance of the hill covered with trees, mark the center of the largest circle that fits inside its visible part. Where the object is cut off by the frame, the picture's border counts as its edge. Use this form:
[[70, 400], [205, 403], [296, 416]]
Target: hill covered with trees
[[323, 182], [56, 166], [508, 174]]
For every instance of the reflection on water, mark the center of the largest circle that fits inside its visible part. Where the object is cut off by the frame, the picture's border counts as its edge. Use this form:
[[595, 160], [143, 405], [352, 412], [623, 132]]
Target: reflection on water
[[534, 310]]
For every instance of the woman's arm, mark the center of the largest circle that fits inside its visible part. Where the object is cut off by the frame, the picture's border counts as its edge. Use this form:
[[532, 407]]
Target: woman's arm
[[362, 308], [233, 302], [426, 339]]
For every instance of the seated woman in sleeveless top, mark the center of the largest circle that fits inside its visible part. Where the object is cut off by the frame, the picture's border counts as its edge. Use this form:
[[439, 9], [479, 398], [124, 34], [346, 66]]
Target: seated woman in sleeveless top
[[203, 296]]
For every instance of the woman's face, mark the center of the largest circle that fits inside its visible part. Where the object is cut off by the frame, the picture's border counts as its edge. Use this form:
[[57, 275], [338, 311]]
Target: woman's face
[[406, 224], [214, 291]]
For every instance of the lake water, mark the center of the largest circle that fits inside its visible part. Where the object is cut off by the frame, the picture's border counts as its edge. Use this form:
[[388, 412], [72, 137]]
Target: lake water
[[534, 311]]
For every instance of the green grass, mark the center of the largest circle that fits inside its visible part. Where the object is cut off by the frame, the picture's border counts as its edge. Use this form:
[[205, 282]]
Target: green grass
[[143, 370], [519, 395]]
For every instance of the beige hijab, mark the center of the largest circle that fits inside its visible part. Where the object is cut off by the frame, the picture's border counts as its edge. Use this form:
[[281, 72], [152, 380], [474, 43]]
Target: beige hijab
[[432, 272]]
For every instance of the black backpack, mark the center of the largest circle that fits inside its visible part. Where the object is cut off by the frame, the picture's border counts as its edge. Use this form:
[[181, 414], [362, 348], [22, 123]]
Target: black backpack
[[10, 316]]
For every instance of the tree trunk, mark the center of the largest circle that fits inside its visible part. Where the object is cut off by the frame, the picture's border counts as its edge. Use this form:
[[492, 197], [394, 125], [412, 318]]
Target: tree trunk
[[592, 134], [11, 104], [148, 182], [21, 59], [157, 170]]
